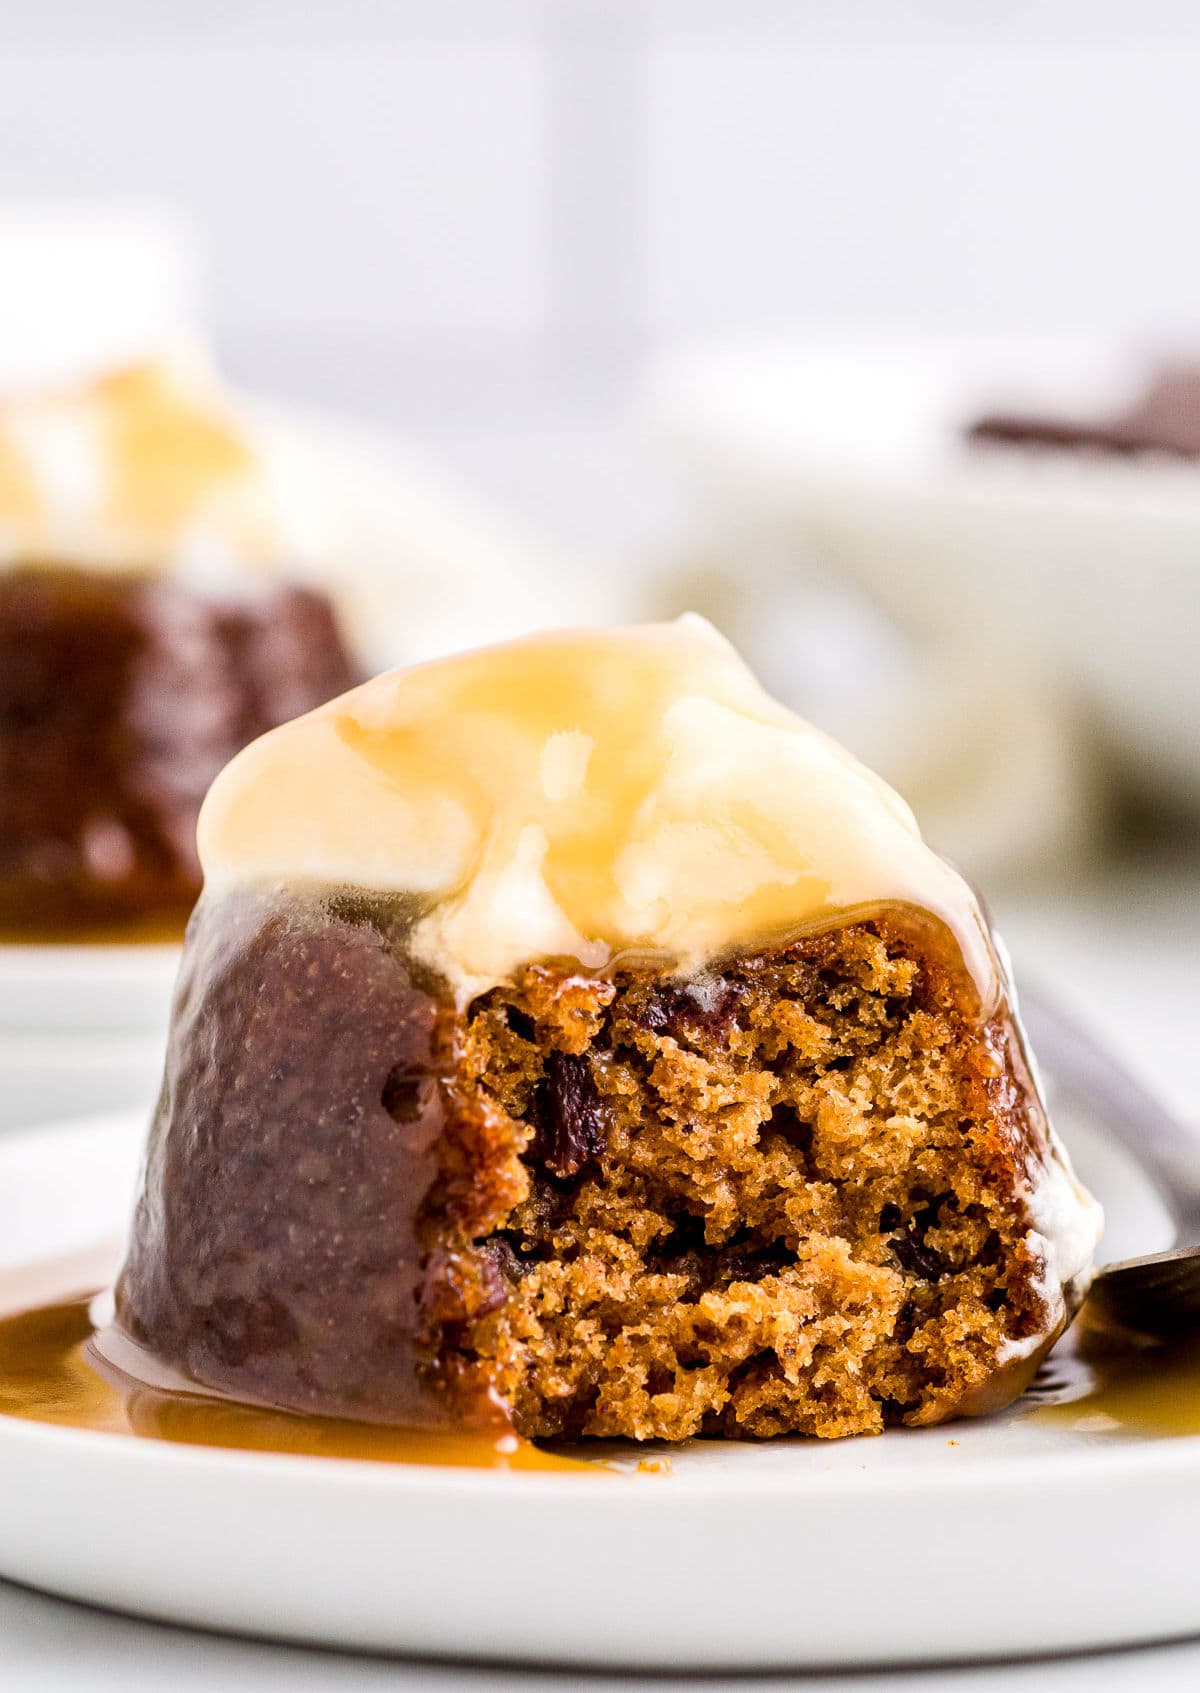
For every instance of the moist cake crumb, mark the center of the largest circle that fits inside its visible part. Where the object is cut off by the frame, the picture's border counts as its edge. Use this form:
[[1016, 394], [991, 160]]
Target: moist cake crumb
[[782, 1204]]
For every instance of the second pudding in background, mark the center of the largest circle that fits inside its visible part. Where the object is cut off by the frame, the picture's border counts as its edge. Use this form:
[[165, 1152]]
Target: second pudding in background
[[150, 626]]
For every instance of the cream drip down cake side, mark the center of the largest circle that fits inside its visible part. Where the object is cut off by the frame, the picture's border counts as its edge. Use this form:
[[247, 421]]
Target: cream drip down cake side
[[569, 1037], [150, 626]]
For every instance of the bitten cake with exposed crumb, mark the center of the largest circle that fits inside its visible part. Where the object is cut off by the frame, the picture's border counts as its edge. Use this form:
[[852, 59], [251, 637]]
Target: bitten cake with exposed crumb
[[572, 1038]]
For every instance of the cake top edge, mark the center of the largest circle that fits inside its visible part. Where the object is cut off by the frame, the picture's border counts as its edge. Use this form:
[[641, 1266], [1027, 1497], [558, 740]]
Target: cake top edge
[[149, 467], [581, 793]]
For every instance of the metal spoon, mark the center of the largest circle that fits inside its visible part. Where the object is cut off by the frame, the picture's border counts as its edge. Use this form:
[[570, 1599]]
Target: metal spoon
[[1160, 1293]]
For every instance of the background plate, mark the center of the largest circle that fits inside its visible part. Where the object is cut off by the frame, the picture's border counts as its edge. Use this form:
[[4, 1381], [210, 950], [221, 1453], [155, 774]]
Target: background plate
[[87, 989]]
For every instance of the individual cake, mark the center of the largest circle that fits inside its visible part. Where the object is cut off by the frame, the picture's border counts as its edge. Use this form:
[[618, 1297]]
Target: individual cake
[[569, 1036], [148, 630]]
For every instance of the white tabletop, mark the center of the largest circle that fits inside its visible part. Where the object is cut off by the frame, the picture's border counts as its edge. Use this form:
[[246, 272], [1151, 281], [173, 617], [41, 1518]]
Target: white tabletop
[[49, 1646]]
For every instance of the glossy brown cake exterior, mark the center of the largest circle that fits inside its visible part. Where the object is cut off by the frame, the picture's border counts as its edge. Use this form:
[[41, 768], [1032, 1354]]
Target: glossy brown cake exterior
[[121, 697], [790, 1196]]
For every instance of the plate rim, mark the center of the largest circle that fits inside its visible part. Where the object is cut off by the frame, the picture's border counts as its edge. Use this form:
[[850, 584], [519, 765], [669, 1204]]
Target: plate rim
[[1149, 1456], [354, 1555]]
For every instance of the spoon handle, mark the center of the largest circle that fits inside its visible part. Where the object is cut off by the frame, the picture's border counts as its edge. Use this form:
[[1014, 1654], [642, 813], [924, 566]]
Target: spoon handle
[[1166, 1149]]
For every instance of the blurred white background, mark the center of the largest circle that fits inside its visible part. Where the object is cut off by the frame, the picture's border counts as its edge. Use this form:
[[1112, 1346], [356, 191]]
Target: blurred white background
[[474, 217], [479, 223]]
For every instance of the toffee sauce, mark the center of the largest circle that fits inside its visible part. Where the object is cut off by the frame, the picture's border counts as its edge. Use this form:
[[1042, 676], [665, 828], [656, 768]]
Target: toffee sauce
[[160, 928], [1103, 1382], [51, 1371]]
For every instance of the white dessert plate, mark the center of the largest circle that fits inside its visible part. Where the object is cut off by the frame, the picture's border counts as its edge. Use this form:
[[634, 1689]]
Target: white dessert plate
[[975, 1540], [48, 1076], [87, 989]]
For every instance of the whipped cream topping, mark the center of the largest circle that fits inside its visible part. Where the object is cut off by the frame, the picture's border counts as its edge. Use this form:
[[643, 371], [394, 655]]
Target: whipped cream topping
[[578, 795], [138, 468]]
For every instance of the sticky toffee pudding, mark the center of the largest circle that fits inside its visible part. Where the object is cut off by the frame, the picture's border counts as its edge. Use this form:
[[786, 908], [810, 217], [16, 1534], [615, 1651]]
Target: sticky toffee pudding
[[571, 1041]]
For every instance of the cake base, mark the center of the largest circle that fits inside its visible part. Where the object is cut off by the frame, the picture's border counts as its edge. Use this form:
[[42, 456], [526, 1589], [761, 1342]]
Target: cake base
[[792, 1196]]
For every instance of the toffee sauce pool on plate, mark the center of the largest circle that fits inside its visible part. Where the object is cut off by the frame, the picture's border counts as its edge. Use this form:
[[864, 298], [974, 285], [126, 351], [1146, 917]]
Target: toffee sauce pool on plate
[[51, 1371], [1099, 1382], [159, 928]]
